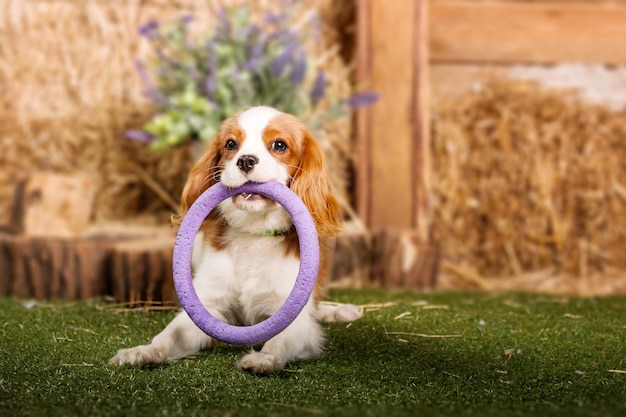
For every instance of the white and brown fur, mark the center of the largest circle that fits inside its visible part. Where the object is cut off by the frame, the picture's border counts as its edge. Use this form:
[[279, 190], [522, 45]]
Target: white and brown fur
[[241, 275]]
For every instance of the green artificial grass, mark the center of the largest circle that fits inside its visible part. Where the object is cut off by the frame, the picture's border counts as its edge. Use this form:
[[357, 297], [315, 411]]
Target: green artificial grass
[[445, 354]]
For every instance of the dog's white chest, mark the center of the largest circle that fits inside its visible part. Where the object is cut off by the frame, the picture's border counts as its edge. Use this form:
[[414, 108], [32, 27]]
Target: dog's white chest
[[252, 275]]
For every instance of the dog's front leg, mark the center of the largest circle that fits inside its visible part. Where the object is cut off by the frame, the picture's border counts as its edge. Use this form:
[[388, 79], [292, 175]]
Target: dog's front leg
[[302, 339], [181, 338]]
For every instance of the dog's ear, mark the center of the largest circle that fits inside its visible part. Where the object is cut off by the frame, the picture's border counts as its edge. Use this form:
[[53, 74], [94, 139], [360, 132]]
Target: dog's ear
[[311, 182], [205, 173]]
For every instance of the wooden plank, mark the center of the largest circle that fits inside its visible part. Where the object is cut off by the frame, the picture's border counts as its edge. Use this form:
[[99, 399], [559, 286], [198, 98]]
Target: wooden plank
[[390, 160], [421, 122], [363, 117], [450, 80], [527, 32]]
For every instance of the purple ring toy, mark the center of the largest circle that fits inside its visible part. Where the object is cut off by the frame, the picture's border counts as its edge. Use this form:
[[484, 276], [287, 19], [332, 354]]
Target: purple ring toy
[[307, 274]]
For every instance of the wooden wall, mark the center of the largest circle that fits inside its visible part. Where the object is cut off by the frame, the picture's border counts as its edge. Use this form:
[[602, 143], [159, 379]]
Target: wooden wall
[[414, 51]]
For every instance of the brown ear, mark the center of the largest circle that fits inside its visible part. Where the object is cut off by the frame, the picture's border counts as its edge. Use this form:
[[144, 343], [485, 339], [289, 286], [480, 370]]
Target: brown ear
[[312, 184], [204, 174]]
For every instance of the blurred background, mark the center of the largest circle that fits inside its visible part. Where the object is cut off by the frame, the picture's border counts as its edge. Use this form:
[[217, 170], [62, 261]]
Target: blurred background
[[474, 144]]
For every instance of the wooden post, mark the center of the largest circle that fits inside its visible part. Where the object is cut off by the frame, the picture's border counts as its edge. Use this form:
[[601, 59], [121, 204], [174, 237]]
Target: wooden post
[[393, 149], [392, 137], [363, 125], [421, 122]]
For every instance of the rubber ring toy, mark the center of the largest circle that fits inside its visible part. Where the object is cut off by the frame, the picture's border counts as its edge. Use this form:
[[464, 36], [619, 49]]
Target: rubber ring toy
[[305, 281]]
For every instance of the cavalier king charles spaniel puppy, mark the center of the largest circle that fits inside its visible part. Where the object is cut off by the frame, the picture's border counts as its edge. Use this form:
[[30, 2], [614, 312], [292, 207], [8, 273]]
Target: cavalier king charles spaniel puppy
[[245, 258]]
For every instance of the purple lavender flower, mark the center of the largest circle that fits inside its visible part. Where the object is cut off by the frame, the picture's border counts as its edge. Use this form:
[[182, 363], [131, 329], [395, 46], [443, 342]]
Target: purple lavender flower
[[319, 88], [257, 47], [274, 18], [193, 73], [224, 20], [151, 89], [210, 82], [299, 69], [363, 99], [255, 55], [149, 29], [209, 87], [283, 35], [280, 63], [139, 136], [187, 18], [235, 73], [247, 32], [185, 21]]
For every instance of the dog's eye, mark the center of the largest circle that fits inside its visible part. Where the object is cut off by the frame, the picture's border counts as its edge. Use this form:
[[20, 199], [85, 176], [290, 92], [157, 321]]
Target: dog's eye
[[279, 146], [231, 145]]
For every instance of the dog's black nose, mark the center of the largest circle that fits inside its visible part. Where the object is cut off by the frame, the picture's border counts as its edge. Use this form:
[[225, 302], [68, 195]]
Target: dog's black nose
[[246, 163]]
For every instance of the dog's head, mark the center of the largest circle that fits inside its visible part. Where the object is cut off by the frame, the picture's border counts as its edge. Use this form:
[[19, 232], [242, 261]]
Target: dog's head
[[263, 144]]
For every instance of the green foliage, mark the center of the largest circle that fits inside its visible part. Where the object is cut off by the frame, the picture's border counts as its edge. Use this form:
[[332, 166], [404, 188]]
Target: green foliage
[[412, 354]]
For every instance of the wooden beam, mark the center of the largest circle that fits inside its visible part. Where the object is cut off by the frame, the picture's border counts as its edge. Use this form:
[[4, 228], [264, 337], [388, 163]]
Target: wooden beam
[[507, 32], [392, 148], [421, 121], [364, 115]]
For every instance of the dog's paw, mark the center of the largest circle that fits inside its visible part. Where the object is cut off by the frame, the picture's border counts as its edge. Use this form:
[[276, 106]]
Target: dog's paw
[[339, 313], [138, 356], [260, 363]]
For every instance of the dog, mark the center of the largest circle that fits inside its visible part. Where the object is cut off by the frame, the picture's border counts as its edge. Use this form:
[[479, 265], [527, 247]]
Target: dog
[[245, 258]]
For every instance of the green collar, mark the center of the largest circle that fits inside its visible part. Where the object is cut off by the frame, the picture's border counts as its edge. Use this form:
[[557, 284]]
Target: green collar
[[273, 232]]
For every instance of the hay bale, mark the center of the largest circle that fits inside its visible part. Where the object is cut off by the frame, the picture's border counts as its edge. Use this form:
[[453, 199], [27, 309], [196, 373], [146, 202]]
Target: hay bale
[[70, 90], [526, 181]]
